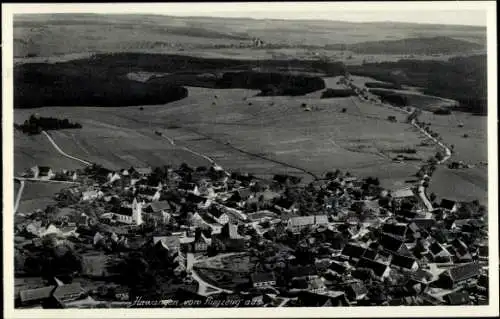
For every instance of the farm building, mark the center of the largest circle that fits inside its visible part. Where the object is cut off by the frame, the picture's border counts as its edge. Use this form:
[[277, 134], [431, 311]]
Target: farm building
[[296, 224], [42, 172]]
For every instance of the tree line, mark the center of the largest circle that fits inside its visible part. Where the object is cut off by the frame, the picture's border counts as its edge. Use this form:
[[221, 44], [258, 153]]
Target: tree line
[[36, 124]]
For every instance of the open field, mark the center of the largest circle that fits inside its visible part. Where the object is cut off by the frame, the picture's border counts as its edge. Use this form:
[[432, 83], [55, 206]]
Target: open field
[[240, 131], [62, 36], [261, 138], [461, 184], [420, 100], [37, 150], [38, 196]]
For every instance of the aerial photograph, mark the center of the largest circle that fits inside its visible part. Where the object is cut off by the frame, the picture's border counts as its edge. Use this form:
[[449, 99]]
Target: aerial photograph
[[252, 159]]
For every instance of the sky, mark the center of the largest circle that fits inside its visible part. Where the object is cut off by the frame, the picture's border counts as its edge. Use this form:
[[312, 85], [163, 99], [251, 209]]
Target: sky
[[438, 12]]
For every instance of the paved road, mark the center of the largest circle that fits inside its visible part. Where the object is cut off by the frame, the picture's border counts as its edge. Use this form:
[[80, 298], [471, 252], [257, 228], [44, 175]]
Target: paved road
[[19, 195], [62, 152]]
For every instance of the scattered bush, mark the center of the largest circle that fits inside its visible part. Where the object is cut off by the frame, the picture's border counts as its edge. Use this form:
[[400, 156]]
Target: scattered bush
[[442, 111], [382, 85], [271, 83], [332, 93], [406, 150]]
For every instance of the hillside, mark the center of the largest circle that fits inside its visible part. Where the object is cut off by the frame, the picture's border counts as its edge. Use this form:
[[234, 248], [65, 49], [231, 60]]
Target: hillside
[[421, 45], [104, 80], [60, 34], [463, 79]]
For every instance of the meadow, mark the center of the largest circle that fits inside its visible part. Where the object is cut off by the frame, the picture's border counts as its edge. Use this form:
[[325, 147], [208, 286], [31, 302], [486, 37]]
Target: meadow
[[69, 34], [240, 131], [262, 135], [464, 184]]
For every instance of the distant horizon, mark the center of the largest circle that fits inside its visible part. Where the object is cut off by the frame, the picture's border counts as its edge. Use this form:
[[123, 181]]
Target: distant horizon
[[456, 13]]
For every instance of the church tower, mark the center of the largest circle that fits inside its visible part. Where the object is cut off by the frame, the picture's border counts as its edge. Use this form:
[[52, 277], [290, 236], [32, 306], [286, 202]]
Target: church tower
[[137, 212]]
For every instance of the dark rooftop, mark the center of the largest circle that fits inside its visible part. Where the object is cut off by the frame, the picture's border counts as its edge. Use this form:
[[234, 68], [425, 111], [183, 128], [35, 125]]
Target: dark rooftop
[[403, 261], [378, 268], [447, 204], [464, 272]]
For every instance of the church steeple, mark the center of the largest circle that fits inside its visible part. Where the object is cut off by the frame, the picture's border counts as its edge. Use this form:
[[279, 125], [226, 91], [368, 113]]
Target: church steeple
[[137, 212]]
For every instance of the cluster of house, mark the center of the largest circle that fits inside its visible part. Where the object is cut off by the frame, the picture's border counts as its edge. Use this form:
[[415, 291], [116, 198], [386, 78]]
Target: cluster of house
[[46, 173], [361, 236]]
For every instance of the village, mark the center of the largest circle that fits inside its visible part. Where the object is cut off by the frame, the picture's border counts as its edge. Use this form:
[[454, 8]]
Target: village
[[204, 237]]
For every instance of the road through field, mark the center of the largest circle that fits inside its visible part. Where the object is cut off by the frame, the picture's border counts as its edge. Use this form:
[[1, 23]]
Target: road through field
[[421, 188], [62, 152]]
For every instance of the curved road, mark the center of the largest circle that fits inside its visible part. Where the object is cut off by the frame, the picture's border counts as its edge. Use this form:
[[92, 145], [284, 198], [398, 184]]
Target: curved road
[[421, 188], [62, 152], [22, 180]]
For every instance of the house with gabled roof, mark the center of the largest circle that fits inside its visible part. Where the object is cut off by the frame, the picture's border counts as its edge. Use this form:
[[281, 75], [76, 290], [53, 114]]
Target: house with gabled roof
[[404, 263], [219, 215], [331, 299], [353, 251], [397, 230], [461, 250], [159, 210], [356, 290], [457, 298], [42, 172], [148, 193], [380, 270], [448, 205], [263, 279], [139, 172], [201, 242], [68, 292], [392, 244], [439, 253], [35, 295], [296, 224], [459, 275], [170, 243], [126, 214], [91, 195]]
